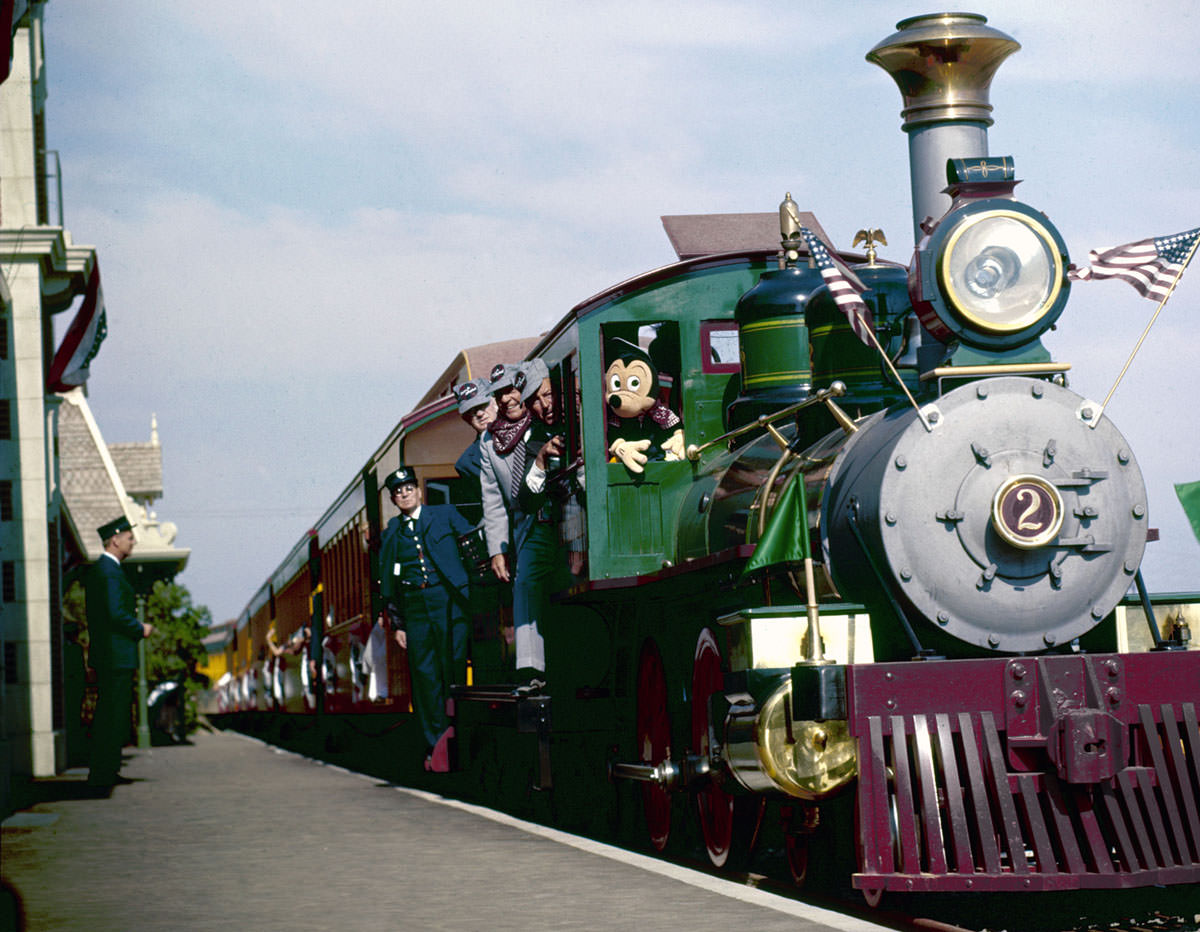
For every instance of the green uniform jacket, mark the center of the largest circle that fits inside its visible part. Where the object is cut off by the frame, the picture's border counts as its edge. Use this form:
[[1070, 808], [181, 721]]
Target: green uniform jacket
[[113, 627]]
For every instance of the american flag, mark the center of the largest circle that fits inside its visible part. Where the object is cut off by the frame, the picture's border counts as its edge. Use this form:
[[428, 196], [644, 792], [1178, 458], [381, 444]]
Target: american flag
[[81, 343], [844, 285], [1150, 265]]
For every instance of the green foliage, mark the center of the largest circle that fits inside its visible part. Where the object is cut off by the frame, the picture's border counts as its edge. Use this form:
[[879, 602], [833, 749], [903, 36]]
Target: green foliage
[[74, 610], [176, 647]]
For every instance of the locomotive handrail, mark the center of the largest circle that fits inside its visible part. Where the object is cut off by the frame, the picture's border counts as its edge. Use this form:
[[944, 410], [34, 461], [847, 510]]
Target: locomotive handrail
[[763, 421]]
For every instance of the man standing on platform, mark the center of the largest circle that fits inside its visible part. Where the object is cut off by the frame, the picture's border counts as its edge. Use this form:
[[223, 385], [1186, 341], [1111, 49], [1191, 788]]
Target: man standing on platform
[[424, 585], [113, 632]]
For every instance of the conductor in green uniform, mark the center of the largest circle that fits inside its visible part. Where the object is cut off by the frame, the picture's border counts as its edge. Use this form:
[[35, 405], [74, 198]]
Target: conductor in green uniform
[[423, 583], [113, 632]]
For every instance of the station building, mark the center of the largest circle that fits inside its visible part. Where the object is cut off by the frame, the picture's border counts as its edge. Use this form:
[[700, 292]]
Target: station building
[[58, 478]]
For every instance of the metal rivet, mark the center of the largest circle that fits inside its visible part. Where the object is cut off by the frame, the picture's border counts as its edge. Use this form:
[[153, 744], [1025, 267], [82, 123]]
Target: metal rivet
[[1019, 698], [891, 703], [890, 517], [943, 618], [1112, 667], [981, 391], [1038, 390], [901, 462], [1113, 695], [994, 640], [905, 573], [889, 676], [1139, 510], [1097, 612], [1130, 567], [1086, 414], [1123, 457], [1049, 639], [1018, 671]]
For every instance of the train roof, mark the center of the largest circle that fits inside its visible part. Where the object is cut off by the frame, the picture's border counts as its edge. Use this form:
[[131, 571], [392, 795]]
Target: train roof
[[696, 235], [475, 363]]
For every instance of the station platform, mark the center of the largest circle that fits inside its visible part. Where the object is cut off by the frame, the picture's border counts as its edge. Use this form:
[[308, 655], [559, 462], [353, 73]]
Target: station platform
[[228, 832]]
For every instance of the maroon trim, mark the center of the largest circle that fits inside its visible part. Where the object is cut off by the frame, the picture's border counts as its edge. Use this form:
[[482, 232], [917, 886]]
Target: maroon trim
[[1059, 772], [706, 330], [740, 552]]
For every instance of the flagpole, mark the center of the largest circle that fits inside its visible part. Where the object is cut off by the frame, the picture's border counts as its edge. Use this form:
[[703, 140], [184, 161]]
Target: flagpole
[[1142, 338], [896, 376]]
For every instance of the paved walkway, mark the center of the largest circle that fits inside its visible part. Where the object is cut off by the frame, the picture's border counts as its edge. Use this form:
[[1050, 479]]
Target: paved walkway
[[230, 833]]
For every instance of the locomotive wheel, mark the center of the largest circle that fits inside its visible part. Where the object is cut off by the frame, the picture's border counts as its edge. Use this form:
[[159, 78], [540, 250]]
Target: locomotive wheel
[[654, 740], [796, 847], [799, 824], [729, 823]]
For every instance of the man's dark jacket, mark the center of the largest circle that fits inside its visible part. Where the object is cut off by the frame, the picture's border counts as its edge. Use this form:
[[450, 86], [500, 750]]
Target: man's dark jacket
[[439, 528], [113, 627]]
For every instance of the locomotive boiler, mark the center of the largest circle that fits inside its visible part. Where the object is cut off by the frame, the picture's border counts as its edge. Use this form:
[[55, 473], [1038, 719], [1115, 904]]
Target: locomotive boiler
[[876, 596]]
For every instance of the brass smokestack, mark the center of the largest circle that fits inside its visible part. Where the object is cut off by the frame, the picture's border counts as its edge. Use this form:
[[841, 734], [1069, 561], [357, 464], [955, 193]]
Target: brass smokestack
[[943, 64]]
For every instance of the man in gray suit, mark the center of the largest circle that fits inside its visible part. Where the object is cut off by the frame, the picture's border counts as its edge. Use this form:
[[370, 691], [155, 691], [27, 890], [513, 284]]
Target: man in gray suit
[[520, 545], [113, 633]]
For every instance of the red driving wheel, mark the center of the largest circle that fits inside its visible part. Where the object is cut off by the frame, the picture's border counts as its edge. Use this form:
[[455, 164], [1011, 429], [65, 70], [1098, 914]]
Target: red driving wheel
[[654, 740], [729, 823]]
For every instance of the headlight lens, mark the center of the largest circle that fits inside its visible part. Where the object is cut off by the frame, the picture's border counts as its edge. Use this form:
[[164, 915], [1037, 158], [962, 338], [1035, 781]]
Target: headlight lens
[[1001, 270]]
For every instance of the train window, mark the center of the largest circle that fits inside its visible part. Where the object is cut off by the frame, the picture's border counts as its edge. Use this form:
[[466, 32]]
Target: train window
[[719, 346], [565, 485], [564, 381], [437, 492], [642, 389]]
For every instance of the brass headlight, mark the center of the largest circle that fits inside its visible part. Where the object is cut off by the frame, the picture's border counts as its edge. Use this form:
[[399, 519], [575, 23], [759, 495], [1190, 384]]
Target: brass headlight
[[1001, 271], [992, 274]]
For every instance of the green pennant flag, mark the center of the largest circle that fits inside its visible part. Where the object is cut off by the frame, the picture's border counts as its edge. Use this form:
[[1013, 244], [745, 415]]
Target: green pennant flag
[[1189, 498], [785, 538]]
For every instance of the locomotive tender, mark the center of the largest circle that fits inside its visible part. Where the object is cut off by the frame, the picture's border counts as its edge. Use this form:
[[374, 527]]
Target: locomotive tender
[[934, 662]]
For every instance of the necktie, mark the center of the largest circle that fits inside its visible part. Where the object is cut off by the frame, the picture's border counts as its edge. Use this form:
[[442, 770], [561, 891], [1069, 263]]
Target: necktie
[[518, 464]]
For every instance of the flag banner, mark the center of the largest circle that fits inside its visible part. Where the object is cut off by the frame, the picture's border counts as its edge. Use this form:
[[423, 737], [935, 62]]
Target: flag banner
[[11, 12], [1189, 498], [785, 538], [1150, 265], [844, 285], [69, 368]]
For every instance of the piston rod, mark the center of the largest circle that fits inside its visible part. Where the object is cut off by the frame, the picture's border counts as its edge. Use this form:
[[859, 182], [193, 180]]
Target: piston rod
[[667, 774]]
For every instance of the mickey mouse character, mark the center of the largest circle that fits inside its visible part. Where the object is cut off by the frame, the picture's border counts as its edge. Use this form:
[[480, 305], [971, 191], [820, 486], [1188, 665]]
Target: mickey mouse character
[[640, 426]]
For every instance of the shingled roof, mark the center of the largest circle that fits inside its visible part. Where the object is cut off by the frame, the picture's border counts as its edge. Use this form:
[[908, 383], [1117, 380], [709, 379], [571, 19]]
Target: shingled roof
[[140, 468], [95, 491], [91, 486]]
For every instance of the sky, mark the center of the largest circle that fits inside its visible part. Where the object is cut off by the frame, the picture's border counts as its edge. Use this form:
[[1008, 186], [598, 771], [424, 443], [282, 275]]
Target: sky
[[303, 210]]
